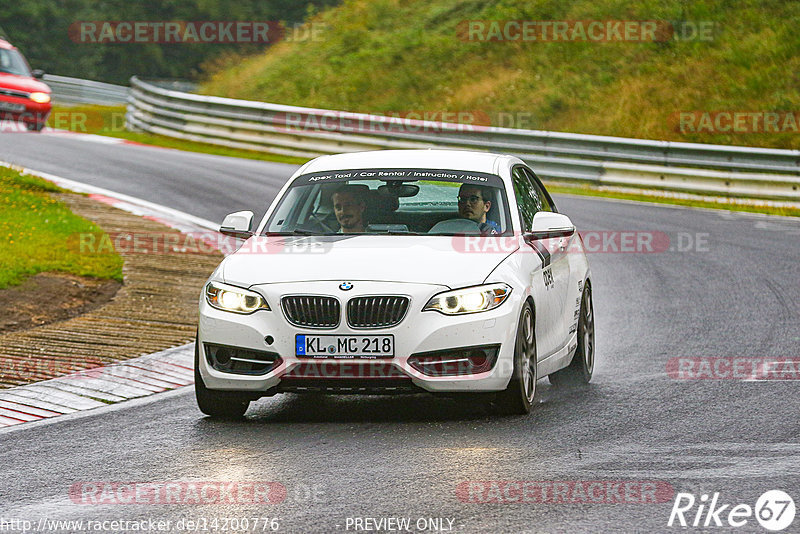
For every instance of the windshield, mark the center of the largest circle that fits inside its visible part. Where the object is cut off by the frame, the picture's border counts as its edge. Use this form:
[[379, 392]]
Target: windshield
[[392, 202], [12, 62]]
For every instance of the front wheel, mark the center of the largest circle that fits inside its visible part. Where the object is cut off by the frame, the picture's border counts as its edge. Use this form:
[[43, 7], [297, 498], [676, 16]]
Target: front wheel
[[221, 404], [580, 369], [517, 398]]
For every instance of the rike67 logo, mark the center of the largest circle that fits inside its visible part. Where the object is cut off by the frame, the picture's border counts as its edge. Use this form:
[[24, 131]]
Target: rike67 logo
[[774, 510]]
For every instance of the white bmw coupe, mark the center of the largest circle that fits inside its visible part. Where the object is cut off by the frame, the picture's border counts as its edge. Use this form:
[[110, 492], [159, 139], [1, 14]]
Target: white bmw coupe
[[398, 271]]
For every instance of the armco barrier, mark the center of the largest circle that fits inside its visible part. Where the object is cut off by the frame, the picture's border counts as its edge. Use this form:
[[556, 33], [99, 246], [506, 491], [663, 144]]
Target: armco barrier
[[730, 170], [77, 91]]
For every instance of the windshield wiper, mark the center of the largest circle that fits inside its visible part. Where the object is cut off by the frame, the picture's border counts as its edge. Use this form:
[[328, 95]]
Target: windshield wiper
[[297, 231]]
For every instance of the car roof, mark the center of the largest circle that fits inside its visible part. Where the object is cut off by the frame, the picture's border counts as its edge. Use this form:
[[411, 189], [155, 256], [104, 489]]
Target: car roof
[[465, 160], [5, 44]]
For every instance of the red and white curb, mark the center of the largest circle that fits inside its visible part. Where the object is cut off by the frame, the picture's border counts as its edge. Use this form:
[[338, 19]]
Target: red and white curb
[[100, 386], [129, 379]]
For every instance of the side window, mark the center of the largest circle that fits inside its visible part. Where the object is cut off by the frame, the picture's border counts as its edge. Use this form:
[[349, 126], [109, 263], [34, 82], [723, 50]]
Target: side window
[[544, 199], [527, 199]]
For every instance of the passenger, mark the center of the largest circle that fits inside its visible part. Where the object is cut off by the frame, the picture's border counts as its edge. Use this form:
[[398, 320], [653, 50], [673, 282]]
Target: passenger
[[349, 207], [474, 204]]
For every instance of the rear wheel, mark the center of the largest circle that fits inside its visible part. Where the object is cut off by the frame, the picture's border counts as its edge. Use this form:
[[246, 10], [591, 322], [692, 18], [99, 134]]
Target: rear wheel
[[35, 126], [221, 404], [519, 395], [580, 369]]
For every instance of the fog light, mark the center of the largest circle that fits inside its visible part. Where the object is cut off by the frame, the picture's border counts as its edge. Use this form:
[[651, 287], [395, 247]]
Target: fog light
[[240, 361], [478, 359], [222, 356], [456, 362]]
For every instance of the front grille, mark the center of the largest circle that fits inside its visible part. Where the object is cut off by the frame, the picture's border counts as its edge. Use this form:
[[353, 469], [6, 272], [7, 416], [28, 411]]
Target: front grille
[[376, 312], [312, 311], [11, 92]]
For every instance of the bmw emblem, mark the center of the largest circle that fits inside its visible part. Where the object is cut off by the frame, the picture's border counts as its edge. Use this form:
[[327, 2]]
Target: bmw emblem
[[345, 286]]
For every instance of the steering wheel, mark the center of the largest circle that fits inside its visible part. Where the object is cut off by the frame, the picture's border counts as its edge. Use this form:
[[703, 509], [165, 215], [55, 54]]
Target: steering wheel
[[322, 223], [487, 229], [455, 226]]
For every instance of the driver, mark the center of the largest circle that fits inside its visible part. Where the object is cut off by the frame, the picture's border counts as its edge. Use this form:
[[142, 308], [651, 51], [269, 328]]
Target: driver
[[349, 207], [474, 204]]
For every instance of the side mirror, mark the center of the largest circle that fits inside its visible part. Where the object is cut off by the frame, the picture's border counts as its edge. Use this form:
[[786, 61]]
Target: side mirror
[[37, 73], [548, 225], [238, 224]]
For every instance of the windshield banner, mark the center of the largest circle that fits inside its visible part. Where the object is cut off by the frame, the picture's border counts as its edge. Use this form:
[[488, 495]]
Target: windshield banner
[[400, 175]]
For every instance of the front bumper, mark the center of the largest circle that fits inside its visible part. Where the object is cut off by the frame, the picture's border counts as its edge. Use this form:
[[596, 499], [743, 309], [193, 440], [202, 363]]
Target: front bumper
[[24, 110], [419, 332]]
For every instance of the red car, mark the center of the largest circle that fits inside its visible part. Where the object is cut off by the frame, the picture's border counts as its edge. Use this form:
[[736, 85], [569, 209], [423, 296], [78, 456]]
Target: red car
[[23, 98]]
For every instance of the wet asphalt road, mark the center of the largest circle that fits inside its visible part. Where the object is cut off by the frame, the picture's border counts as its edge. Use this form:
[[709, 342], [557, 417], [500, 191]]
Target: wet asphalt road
[[733, 293]]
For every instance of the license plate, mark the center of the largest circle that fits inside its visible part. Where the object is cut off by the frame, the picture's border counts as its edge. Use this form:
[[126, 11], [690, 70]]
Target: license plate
[[314, 346], [11, 106]]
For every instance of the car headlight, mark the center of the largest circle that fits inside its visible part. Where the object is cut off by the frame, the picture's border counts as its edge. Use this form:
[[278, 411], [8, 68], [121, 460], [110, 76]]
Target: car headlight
[[469, 299], [234, 299], [40, 98]]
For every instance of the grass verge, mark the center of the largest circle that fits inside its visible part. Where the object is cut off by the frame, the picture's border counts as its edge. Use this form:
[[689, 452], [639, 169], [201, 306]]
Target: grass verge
[[38, 233], [390, 56]]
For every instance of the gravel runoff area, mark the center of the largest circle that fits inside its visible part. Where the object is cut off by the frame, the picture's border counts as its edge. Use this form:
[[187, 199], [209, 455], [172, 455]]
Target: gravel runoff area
[[155, 309]]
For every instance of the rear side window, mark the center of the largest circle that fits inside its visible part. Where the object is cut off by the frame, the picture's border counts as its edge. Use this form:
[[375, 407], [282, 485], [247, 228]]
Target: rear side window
[[528, 200], [544, 198]]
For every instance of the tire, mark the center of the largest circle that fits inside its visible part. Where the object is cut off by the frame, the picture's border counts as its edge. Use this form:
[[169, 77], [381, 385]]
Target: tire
[[219, 404], [518, 397], [35, 127], [580, 369]]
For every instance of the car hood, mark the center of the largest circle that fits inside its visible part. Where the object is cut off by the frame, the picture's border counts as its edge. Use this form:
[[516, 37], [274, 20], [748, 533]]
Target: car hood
[[22, 83], [440, 260]]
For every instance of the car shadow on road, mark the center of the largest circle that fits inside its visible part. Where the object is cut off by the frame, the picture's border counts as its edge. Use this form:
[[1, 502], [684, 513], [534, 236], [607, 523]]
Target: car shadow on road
[[319, 408]]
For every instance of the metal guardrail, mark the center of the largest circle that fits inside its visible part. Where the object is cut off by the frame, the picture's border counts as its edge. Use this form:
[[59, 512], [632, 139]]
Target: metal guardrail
[[306, 132], [68, 90]]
